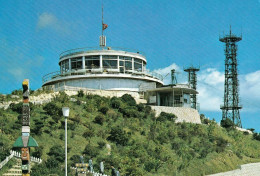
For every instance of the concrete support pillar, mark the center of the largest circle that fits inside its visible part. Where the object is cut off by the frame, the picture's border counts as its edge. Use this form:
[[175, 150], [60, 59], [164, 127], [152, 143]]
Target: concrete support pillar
[[83, 62], [133, 64], [118, 63], [172, 97], [101, 61], [158, 102], [69, 64]]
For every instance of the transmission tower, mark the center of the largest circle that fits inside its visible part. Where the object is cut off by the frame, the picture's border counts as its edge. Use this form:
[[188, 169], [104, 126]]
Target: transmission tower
[[173, 77], [192, 79], [231, 107]]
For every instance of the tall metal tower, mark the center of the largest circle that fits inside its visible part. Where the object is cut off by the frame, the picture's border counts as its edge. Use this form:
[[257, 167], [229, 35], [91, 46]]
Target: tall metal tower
[[231, 106], [173, 77], [192, 79]]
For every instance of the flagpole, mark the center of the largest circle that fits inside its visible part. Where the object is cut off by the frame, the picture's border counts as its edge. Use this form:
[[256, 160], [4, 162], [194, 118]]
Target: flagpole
[[102, 19]]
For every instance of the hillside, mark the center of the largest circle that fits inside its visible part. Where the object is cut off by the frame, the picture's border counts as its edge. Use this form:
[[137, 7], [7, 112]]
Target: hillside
[[126, 135]]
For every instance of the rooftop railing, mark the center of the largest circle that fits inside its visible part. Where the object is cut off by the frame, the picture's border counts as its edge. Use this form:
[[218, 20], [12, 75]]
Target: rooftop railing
[[57, 74], [91, 49]]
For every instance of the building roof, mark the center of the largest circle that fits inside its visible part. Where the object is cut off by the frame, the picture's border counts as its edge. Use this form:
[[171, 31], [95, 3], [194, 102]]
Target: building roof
[[185, 88]]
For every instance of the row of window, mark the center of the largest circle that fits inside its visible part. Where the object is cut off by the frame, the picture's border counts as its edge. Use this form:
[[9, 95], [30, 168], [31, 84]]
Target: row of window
[[109, 62]]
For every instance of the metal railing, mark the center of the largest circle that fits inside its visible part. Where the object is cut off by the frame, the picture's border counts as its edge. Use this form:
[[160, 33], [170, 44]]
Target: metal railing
[[91, 49], [57, 74], [7, 159]]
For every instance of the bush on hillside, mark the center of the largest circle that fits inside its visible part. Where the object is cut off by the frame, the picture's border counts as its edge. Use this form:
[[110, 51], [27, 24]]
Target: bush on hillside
[[53, 110], [119, 136], [99, 119], [227, 123], [166, 116], [57, 153], [104, 109], [81, 93], [90, 150], [17, 107], [128, 99], [115, 103], [17, 92], [62, 98]]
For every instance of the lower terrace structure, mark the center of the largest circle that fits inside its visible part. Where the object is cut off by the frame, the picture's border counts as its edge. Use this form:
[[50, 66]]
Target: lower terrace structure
[[175, 95]]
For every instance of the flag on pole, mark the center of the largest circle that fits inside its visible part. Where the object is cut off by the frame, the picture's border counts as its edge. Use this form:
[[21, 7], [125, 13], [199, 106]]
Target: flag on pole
[[104, 26]]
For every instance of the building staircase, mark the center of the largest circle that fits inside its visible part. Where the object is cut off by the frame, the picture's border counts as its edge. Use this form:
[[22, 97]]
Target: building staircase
[[15, 170]]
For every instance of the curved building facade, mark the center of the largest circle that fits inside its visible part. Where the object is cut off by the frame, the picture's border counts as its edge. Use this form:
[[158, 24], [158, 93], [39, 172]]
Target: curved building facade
[[103, 68]]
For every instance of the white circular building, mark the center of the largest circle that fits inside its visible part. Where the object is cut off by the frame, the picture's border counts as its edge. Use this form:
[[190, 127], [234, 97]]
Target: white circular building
[[102, 68]]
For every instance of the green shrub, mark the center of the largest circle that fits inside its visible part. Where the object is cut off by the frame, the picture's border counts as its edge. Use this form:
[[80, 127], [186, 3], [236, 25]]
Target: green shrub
[[91, 150], [99, 119], [128, 99], [17, 107], [81, 93], [118, 135], [227, 123], [57, 153], [104, 109], [115, 103], [53, 110], [166, 116]]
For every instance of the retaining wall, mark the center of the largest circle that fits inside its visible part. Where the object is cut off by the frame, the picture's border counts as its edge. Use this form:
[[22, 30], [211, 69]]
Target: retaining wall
[[183, 114]]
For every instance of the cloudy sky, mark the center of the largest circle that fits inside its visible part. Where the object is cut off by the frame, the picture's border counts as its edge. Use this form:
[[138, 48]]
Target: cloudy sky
[[170, 33]]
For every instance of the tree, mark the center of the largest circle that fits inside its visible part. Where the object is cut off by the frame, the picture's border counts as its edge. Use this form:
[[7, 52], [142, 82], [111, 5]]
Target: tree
[[227, 123], [57, 153], [118, 135], [99, 119], [90, 150], [38, 125], [80, 93], [128, 99], [53, 110], [17, 107]]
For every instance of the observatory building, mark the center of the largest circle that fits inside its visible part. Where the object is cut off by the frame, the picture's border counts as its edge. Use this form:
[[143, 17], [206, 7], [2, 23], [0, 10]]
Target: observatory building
[[103, 68], [115, 69]]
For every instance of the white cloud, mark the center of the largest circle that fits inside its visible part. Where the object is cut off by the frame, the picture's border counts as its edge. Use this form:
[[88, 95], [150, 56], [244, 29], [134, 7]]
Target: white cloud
[[49, 21], [46, 20], [211, 88], [166, 73]]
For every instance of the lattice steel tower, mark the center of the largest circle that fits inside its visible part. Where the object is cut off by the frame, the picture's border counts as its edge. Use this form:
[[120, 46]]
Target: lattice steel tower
[[231, 106], [192, 79]]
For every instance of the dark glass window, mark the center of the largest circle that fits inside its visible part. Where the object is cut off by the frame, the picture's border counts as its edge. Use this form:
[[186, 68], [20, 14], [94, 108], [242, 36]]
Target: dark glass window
[[138, 67], [128, 65], [76, 63], [109, 61], [110, 64], [138, 60], [92, 62], [108, 57]]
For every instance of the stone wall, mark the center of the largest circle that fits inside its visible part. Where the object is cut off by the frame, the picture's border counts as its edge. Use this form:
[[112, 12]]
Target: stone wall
[[46, 98], [183, 114], [252, 169]]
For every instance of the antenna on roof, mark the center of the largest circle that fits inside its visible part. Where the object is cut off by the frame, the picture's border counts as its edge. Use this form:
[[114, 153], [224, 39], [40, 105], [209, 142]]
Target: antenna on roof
[[102, 38]]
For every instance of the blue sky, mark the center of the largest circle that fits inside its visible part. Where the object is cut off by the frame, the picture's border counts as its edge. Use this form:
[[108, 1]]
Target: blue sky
[[171, 34]]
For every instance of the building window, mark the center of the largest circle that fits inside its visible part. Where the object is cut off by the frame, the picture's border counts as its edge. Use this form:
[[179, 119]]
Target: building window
[[64, 66], [109, 62], [138, 65], [76, 63], [92, 62], [126, 62]]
